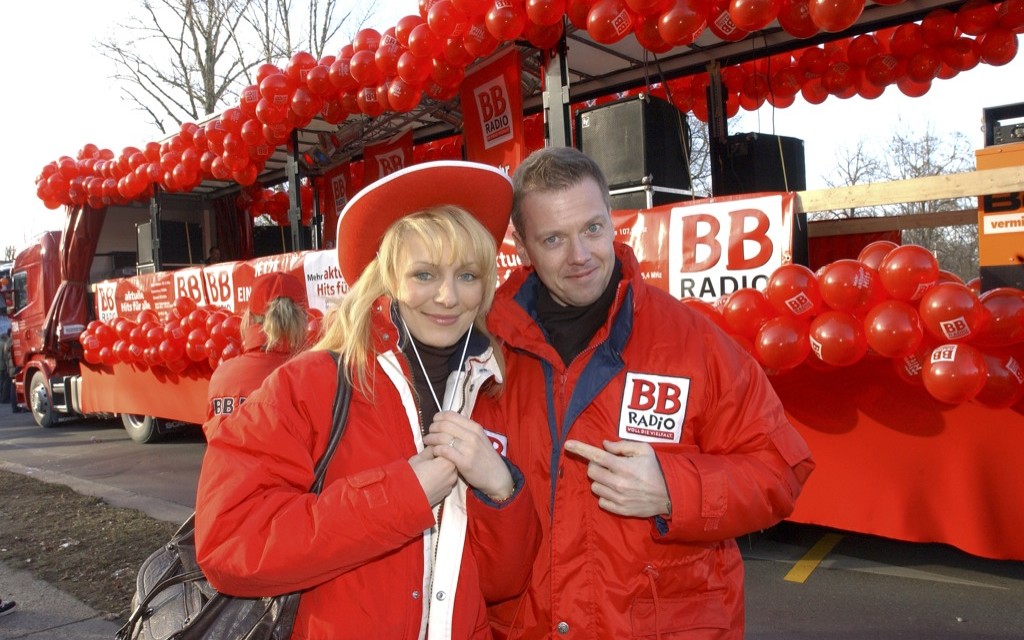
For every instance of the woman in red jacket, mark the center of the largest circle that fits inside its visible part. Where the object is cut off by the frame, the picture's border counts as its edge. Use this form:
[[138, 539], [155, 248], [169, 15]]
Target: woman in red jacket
[[273, 329], [421, 523]]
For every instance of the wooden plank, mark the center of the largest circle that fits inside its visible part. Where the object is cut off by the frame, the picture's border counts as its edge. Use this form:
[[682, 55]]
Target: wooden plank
[[845, 226], [957, 185]]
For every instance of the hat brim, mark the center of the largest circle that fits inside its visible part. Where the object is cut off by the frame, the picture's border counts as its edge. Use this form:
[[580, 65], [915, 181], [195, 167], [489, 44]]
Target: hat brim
[[482, 190]]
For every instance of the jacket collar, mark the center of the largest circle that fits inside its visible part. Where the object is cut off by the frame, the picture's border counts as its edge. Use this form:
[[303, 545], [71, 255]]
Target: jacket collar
[[389, 333]]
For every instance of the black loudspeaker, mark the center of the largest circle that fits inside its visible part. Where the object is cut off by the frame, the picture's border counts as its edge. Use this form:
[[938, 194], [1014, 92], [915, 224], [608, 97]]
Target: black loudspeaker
[[752, 162], [636, 141]]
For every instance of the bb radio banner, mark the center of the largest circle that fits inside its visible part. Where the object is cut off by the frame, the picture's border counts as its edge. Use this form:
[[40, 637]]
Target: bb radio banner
[[492, 105], [225, 285], [383, 159]]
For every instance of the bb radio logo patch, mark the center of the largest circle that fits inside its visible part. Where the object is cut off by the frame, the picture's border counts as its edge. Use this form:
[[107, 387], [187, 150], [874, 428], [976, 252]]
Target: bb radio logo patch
[[653, 408], [493, 107]]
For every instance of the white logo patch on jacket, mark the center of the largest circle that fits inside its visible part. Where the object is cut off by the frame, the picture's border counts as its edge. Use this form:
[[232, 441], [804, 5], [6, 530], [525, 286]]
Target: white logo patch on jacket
[[653, 408]]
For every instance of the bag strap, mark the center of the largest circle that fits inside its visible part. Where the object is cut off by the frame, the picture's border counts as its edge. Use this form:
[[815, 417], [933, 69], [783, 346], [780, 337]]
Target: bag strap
[[342, 399]]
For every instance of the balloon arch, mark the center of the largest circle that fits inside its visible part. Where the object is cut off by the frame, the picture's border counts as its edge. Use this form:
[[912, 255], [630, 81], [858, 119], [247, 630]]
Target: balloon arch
[[427, 55]]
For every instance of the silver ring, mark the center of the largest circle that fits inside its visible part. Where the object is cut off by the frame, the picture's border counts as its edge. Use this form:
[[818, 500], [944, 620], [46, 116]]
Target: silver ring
[[451, 443]]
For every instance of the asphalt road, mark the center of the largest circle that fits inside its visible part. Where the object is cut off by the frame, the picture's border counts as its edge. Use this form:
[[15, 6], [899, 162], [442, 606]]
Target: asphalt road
[[803, 583]]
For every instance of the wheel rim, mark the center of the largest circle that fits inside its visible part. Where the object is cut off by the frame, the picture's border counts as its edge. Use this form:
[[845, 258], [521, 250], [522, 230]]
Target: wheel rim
[[40, 401]]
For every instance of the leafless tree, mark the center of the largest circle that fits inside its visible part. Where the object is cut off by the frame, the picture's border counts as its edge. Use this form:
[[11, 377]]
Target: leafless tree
[[9, 252], [854, 166], [916, 155], [273, 22], [180, 60]]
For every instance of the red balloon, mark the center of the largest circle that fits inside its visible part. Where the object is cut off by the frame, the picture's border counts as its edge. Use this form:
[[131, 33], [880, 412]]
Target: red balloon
[[893, 329], [998, 46], [954, 373], [232, 327], [938, 27], [363, 68], [506, 20], [170, 350], [873, 253], [445, 20], [795, 18], [229, 351], [577, 10], [952, 313], [707, 310], [366, 40], [753, 15], [847, 285], [976, 17], [835, 15], [837, 338], [183, 306], [1004, 382], [424, 43], [908, 271], [402, 96], [1005, 307], [106, 356], [793, 290], [782, 343], [745, 311], [908, 368], [122, 351], [680, 24], [545, 12], [609, 21]]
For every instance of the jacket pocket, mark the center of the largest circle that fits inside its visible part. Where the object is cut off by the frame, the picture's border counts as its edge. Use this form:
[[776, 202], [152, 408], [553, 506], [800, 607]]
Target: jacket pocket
[[649, 617]]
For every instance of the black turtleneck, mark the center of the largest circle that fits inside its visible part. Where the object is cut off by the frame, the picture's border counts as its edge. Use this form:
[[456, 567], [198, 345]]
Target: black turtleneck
[[569, 328], [436, 360]]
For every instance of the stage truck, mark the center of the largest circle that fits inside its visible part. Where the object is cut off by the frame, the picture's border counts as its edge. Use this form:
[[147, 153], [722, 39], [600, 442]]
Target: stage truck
[[99, 331]]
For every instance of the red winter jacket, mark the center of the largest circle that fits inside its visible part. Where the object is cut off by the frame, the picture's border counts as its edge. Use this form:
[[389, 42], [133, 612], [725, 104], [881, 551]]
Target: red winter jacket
[[659, 372], [233, 381], [360, 548]]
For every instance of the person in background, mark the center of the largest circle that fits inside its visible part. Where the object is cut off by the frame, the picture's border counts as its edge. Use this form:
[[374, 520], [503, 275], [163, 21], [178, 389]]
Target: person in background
[[214, 256], [650, 438], [12, 373], [273, 330], [421, 523], [5, 353]]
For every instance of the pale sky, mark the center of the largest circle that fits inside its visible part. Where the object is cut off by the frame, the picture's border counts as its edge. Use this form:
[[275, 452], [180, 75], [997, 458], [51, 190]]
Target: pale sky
[[58, 97]]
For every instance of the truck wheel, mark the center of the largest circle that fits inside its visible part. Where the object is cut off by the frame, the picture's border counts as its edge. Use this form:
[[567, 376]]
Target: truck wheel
[[141, 429], [40, 402]]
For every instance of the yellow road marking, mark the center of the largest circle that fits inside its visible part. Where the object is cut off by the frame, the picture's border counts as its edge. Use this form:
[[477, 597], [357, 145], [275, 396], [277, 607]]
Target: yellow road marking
[[805, 565]]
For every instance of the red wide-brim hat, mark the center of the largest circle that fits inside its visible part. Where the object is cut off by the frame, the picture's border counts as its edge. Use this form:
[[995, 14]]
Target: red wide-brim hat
[[480, 189]]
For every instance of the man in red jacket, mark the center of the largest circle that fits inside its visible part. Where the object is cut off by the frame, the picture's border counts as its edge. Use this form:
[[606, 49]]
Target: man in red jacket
[[658, 438]]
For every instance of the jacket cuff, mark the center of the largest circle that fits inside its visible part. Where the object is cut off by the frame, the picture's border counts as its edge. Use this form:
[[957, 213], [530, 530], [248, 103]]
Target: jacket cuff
[[517, 484]]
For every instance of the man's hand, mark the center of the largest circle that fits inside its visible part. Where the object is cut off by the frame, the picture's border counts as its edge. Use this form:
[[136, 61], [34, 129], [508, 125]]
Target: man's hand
[[627, 478]]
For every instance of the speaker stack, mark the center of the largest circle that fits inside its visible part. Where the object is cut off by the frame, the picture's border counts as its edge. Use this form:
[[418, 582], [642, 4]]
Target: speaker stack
[[641, 144]]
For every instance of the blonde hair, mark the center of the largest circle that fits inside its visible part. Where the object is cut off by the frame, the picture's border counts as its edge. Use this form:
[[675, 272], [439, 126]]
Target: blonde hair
[[282, 322], [448, 232]]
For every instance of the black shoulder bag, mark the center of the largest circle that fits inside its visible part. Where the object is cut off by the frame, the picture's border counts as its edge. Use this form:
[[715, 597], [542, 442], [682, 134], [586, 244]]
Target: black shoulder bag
[[173, 599]]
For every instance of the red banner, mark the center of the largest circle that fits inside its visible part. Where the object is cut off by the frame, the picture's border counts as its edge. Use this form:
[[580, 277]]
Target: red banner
[[335, 191], [385, 158], [492, 110]]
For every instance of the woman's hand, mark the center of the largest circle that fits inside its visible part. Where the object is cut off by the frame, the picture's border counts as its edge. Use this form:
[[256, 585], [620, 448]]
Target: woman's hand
[[458, 439], [437, 476]]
